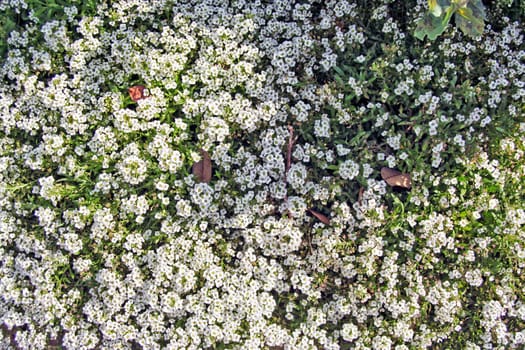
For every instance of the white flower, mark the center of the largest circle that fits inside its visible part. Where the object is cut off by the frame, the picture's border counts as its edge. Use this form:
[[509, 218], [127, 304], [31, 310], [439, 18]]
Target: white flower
[[394, 141], [133, 169], [297, 175], [381, 343], [493, 310], [348, 170], [474, 278], [322, 127], [349, 332], [183, 208], [48, 189], [82, 265], [162, 186], [202, 195], [296, 206]]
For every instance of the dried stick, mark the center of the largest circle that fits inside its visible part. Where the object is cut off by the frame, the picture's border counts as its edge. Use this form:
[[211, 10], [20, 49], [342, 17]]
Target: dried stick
[[289, 152], [291, 141]]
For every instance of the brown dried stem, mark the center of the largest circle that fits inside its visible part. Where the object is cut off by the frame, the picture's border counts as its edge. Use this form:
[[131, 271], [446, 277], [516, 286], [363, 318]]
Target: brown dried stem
[[291, 141]]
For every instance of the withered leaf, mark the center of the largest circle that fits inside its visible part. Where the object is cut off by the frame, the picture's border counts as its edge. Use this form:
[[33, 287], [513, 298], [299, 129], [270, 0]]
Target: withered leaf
[[396, 178], [137, 92], [321, 217], [202, 168], [360, 195]]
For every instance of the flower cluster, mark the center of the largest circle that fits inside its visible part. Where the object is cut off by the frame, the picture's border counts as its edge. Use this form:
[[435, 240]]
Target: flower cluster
[[109, 240]]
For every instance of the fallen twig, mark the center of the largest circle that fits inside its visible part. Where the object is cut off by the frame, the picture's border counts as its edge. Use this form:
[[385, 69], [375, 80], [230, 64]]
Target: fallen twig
[[291, 141]]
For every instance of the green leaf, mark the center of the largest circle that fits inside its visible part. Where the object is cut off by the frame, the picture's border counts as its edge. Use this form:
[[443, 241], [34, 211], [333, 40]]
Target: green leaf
[[339, 71], [430, 26], [448, 14], [472, 29], [339, 80], [478, 9], [434, 8], [359, 138], [470, 19]]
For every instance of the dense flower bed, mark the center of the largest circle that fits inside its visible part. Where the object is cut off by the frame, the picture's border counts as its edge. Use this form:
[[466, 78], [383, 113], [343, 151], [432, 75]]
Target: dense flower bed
[[109, 240]]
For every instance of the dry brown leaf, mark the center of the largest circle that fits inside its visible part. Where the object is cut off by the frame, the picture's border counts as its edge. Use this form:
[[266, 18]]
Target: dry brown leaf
[[360, 195], [137, 92], [202, 168], [321, 217], [396, 178]]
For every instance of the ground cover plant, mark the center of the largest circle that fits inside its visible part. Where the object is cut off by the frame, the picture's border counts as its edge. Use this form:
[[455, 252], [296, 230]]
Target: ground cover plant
[[260, 175]]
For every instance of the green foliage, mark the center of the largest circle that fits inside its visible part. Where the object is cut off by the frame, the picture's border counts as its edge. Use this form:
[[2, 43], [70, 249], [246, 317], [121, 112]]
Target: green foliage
[[39, 12], [7, 24], [469, 16], [387, 99]]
